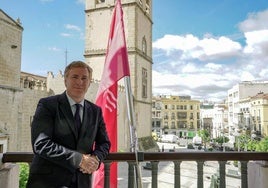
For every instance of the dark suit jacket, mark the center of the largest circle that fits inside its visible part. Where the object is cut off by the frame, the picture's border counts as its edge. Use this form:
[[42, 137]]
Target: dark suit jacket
[[57, 146]]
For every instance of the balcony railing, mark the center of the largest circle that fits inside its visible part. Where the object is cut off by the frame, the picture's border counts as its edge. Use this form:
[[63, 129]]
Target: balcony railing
[[176, 157]]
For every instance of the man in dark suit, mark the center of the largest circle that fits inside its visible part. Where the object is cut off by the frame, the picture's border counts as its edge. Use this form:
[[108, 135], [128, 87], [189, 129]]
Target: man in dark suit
[[69, 137]]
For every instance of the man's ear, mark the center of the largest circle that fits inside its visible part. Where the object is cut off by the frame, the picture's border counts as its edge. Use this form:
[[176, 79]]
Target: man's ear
[[65, 82]]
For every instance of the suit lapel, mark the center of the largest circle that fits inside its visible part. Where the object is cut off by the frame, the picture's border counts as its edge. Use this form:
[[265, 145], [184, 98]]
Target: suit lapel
[[67, 112]]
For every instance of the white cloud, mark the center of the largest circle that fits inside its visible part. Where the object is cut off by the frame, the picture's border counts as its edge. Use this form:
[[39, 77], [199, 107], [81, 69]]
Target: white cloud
[[255, 21], [170, 43], [255, 41], [192, 47], [264, 72], [189, 68], [213, 66], [207, 67], [213, 46], [72, 27], [81, 1], [55, 49], [246, 76], [66, 34]]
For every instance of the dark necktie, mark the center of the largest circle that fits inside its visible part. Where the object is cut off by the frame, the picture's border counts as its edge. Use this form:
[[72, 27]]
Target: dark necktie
[[77, 117]]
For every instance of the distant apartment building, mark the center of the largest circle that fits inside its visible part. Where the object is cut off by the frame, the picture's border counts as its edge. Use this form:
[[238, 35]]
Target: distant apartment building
[[244, 115], [206, 116], [259, 113], [238, 104], [178, 115], [157, 115], [213, 117], [220, 120], [253, 116]]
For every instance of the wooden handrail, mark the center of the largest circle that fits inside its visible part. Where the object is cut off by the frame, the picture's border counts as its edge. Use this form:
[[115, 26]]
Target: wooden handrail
[[158, 156], [177, 157]]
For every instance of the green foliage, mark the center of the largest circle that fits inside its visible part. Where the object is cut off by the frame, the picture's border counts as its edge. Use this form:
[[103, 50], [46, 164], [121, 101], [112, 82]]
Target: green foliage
[[222, 139], [147, 143], [236, 163], [210, 149], [252, 144], [245, 142], [204, 134], [262, 146], [242, 141], [24, 173]]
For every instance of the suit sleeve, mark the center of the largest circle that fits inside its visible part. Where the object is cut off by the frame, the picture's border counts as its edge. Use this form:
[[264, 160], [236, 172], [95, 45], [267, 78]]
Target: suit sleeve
[[42, 138], [102, 142]]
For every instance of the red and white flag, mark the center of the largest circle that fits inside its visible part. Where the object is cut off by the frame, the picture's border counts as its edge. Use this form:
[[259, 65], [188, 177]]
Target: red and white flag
[[116, 67]]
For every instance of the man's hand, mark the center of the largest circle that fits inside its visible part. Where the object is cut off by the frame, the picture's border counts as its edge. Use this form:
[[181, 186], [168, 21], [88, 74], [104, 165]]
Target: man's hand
[[89, 164]]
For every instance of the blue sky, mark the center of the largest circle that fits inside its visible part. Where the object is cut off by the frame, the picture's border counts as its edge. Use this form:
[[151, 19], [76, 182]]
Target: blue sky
[[200, 48], [50, 27]]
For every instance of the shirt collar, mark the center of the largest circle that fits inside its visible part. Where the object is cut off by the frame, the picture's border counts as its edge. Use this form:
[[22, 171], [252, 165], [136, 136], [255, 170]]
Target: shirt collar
[[72, 102]]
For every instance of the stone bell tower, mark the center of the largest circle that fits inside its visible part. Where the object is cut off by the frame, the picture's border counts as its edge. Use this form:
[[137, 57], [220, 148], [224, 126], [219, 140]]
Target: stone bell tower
[[137, 16]]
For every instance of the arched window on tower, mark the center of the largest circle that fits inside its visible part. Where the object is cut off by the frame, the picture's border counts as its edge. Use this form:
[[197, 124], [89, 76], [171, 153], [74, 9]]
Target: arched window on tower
[[144, 46], [144, 83]]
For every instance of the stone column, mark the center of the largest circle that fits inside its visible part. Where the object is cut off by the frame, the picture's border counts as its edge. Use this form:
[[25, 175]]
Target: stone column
[[9, 174], [257, 174]]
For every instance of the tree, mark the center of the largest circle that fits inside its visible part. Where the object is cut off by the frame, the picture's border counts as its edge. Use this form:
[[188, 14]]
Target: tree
[[245, 142], [222, 139], [24, 173], [262, 145], [205, 135], [252, 144]]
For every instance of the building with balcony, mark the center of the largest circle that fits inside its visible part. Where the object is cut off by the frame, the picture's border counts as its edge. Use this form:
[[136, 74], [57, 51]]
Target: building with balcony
[[179, 115], [239, 92], [259, 114], [157, 115]]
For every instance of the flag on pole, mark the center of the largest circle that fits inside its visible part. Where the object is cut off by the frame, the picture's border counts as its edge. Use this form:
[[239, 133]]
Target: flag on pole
[[116, 67]]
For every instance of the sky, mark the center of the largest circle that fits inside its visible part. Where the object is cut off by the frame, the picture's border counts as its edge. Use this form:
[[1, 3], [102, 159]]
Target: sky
[[200, 48]]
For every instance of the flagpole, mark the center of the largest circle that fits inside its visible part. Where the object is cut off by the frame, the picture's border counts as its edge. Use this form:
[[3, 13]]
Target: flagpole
[[133, 132]]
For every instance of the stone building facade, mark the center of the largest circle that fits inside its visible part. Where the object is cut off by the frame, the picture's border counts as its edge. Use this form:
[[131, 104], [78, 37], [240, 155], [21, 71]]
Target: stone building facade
[[138, 31], [10, 50], [19, 91], [10, 92]]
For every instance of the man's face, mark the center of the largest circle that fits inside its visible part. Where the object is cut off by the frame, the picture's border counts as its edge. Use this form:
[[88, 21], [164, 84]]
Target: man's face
[[77, 82]]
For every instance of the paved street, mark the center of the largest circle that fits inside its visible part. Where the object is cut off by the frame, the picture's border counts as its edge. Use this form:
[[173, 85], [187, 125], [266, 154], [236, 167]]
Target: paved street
[[166, 173]]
